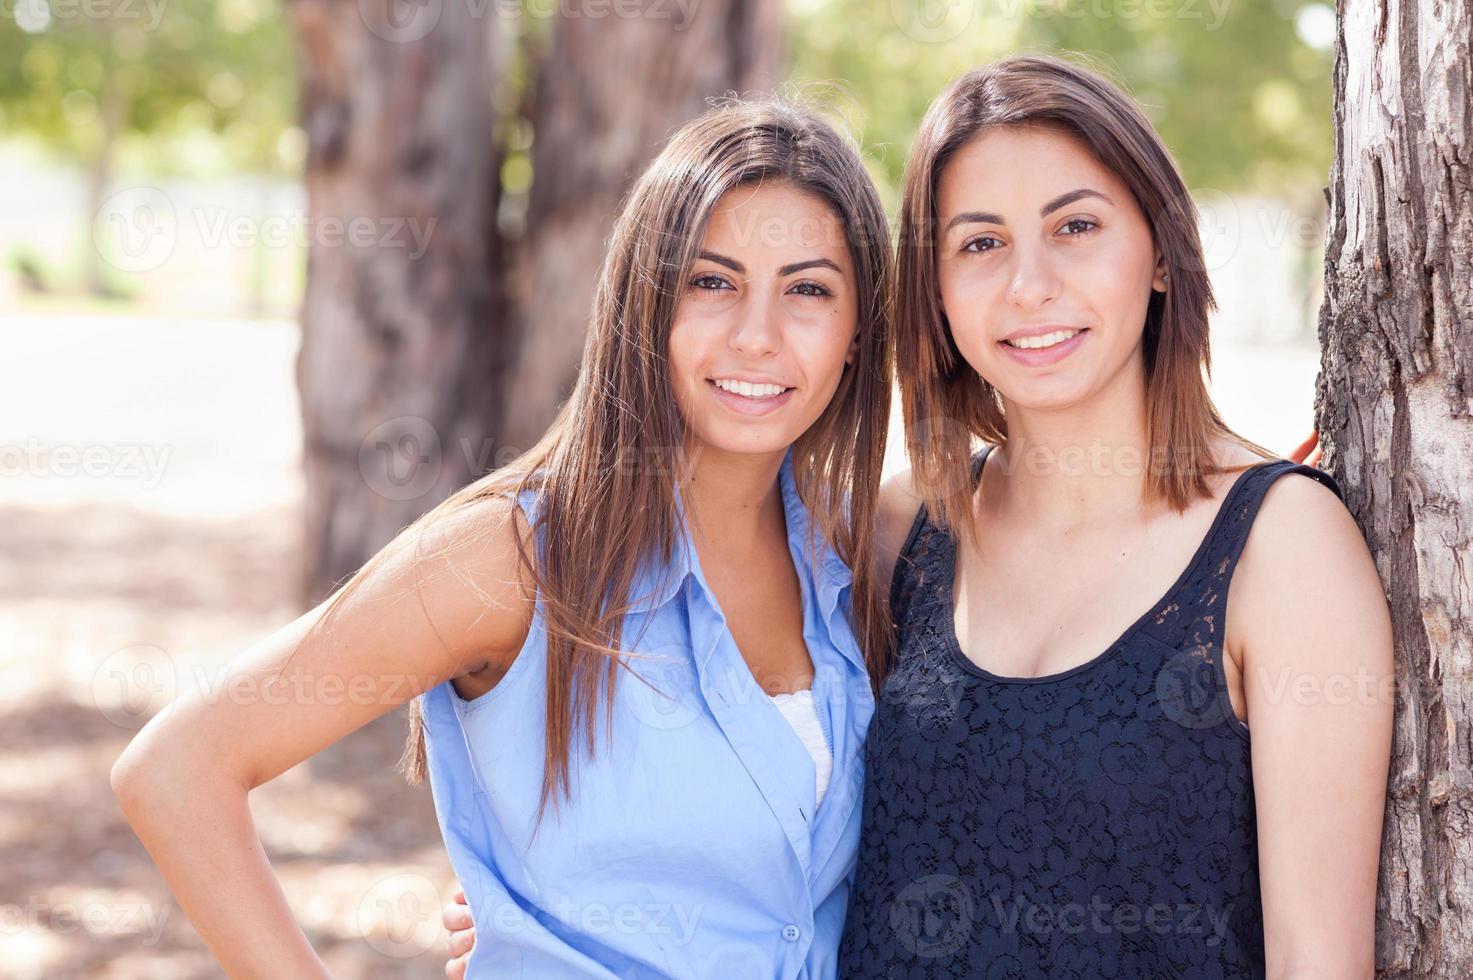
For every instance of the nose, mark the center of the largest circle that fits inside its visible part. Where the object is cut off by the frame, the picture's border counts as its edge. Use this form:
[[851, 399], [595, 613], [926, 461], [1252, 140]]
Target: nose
[[1034, 282], [758, 328]]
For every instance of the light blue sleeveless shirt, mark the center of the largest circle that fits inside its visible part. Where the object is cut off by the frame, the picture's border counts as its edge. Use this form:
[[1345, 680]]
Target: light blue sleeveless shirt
[[691, 845]]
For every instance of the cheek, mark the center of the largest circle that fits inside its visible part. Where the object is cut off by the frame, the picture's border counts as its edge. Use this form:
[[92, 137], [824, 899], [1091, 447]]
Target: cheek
[[821, 350], [684, 358], [967, 304], [1118, 303]]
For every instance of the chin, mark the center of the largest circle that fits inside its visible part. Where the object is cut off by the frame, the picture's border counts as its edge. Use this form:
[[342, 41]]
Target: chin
[[1047, 395], [755, 441]]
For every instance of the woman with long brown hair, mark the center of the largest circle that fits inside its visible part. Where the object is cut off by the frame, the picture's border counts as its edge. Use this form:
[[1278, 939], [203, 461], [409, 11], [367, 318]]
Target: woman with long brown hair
[[636, 653], [1086, 761]]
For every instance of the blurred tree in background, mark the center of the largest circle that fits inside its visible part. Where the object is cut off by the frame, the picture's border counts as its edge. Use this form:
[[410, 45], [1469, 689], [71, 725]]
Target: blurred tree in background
[[190, 87]]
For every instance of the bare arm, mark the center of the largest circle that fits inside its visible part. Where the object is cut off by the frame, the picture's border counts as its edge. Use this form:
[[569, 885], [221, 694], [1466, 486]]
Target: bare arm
[[183, 781], [1314, 634]]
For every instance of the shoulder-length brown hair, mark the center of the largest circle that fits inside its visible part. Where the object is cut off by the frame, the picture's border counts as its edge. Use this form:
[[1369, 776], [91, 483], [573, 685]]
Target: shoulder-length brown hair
[[611, 457], [946, 404]]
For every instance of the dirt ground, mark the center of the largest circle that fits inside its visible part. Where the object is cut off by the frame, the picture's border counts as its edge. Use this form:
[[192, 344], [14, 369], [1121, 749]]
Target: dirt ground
[[149, 513]]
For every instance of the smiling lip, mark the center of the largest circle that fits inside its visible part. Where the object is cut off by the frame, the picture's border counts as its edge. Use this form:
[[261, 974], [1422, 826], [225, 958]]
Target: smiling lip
[[1039, 331], [1042, 356], [745, 405]]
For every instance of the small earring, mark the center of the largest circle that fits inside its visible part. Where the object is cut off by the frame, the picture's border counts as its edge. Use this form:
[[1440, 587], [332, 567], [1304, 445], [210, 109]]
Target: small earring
[[1165, 276]]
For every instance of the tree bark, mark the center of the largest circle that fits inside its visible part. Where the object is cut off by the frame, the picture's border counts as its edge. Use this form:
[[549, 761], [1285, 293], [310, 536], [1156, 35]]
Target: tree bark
[[1393, 408], [398, 350]]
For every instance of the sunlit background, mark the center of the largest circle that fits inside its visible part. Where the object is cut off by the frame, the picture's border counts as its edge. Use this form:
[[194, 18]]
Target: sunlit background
[[153, 237]]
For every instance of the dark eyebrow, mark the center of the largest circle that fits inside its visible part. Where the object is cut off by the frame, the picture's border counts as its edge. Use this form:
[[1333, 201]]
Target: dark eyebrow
[[987, 217], [1070, 198], [731, 264], [786, 270]]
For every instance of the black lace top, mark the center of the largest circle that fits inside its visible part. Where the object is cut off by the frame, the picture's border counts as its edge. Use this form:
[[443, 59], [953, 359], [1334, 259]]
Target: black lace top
[[1095, 823]]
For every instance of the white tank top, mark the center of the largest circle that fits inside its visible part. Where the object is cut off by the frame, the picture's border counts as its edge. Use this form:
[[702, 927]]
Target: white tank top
[[798, 708]]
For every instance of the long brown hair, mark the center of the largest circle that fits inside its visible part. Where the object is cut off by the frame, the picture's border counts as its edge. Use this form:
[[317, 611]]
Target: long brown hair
[[946, 404], [604, 473]]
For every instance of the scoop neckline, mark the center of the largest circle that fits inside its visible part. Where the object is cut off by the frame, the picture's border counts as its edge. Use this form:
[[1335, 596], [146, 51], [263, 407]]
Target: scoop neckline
[[959, 655]]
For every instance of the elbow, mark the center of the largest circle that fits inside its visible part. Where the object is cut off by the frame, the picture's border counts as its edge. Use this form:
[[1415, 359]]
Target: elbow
[[131, 773], [155, 777], [145, 780]]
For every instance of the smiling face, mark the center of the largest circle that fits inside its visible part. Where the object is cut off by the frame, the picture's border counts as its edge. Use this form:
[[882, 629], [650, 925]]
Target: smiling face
[[1045, 264], [766, 321]]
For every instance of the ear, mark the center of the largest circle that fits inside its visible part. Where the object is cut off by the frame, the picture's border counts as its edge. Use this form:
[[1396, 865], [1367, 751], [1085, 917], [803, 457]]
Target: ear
[[1160, 280], [853, 351]]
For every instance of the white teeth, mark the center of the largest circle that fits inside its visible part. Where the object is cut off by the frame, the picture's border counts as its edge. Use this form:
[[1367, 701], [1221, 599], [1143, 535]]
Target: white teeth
[[1042, 340], [747, 388]]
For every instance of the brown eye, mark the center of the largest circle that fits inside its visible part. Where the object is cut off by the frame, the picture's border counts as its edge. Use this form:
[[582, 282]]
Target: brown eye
[[709, 283], [813, 288]]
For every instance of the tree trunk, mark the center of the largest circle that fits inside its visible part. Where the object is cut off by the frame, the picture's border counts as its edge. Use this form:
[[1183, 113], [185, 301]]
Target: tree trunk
[[1392, 405], [610, 92], [396, 368], [112, 114]]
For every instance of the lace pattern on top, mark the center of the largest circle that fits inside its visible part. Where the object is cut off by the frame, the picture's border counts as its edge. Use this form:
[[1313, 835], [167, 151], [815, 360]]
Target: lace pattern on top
[[1098, 822]]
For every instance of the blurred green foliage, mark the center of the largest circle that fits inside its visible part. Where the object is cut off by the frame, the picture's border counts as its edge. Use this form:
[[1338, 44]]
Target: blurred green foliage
[[1240, 89], [181, 86]]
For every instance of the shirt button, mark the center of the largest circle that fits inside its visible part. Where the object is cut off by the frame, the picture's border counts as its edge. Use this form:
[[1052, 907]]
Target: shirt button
[[791, 933]]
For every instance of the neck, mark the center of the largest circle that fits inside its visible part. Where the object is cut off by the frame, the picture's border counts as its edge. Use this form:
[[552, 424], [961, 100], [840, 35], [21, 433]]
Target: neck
[[731, 497], [1078, 465]]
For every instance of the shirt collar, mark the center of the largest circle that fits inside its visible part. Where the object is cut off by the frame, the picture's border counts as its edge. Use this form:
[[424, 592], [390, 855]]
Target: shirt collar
[[655, 586]]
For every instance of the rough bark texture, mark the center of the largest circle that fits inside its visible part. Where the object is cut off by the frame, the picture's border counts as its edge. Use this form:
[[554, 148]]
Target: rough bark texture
[[398, 348], [1393, 407], [610, 92], [419, 373]]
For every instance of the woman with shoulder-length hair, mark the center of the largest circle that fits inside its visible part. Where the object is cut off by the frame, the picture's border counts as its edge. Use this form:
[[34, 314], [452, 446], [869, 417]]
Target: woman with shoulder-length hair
[[1139, 717], [638, 649]]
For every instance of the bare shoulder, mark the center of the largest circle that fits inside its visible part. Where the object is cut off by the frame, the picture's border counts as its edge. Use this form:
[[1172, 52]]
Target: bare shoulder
[[1301, 514], [468, 570], [899, 504], [1306, 571]]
